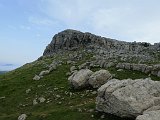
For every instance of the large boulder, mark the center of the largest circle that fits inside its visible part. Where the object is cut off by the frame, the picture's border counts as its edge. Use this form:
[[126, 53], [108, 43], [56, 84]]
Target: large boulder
[[99, 78], [151, 115], [80, 78], [128, 98]]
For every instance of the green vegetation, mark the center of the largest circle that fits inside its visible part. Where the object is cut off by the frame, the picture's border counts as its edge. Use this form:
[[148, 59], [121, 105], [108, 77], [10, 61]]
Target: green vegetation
[[62, 103]]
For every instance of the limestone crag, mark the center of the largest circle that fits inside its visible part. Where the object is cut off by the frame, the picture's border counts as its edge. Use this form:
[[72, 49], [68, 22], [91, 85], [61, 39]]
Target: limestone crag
[[109, 48]]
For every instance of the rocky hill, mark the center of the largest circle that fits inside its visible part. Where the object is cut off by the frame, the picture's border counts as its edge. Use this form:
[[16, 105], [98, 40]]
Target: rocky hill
[[84, 76], [128, 51]]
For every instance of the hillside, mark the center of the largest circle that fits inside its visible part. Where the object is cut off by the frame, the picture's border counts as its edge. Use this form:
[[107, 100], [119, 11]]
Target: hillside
[[51, 97]]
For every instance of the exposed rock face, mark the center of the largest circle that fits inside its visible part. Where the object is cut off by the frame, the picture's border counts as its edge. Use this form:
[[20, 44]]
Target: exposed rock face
[[80, 78], [99, 78], [72, 39], [151, 115], [128, 98]]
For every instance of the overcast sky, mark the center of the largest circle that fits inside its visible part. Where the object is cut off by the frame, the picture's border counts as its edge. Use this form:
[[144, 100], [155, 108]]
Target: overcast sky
[[27, 26]]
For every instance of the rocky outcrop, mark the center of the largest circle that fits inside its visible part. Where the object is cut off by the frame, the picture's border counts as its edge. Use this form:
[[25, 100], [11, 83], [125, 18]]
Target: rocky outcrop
[[72, 40], [148, 69], [99, 78], [80, 78], [128, 98]]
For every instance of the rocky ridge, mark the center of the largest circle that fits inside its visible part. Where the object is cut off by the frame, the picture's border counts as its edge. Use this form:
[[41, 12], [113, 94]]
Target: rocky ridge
[[110, 48]]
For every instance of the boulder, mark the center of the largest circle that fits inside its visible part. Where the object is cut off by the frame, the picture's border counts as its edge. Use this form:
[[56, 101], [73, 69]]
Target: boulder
[[36, 77], [45, 72], [22, 117], [99, 78], [128, 98], [80, 78], [151, 115]]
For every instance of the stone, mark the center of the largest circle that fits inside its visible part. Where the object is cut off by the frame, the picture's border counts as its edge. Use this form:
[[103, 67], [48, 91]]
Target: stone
[[128, 98], [158, 73], [36, 77], [22, 117], [45, 72], [73, 68], [151, 115], [52, 67], [28, 90], [99, 78], [41, 99], [80, 79], [2, 97], [35, 102]]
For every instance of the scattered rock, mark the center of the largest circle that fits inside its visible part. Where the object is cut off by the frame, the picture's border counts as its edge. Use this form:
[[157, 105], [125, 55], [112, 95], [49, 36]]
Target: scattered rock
[[22, 117], [42, 73], [35, 102], [73, 68], [2, 97], [41, 99], [36, 77], [28, 90]]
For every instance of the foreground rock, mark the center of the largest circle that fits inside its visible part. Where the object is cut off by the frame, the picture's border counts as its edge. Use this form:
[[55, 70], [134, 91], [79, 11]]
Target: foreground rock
[[128, 98], [22, 117], [99, 78], [151, 115], [80, 79]]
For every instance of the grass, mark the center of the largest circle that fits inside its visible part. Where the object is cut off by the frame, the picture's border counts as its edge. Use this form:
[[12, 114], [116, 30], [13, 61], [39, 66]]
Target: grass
[[71, 105]]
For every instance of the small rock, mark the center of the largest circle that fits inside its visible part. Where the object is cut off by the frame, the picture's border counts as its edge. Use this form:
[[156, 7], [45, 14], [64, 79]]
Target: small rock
[[2, 97], [28, 90], [59, 103], [41, 99], [102, 116], [94, 92], [36, 77], [35, 102], [92, 116], [58, 96], [22, 117], [119, 70]]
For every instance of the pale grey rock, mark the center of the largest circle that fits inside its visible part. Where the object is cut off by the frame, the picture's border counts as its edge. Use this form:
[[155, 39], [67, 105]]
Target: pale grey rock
[[41, 99], [52, 67], [35, 102], [28, 90], [22, 117], [80, 79], [151, 115], [99, 78], [73, 68], [45, 72], [128, 98], [36, 77]]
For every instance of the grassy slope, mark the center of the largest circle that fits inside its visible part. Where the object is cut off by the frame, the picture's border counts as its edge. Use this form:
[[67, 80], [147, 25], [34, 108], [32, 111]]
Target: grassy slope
[[14, 85]]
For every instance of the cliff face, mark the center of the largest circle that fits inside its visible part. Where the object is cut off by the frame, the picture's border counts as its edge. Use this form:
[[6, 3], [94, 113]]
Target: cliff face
[[72, 39]]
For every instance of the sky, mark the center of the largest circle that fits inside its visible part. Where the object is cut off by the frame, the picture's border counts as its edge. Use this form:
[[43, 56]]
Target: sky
[[27, 26]]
